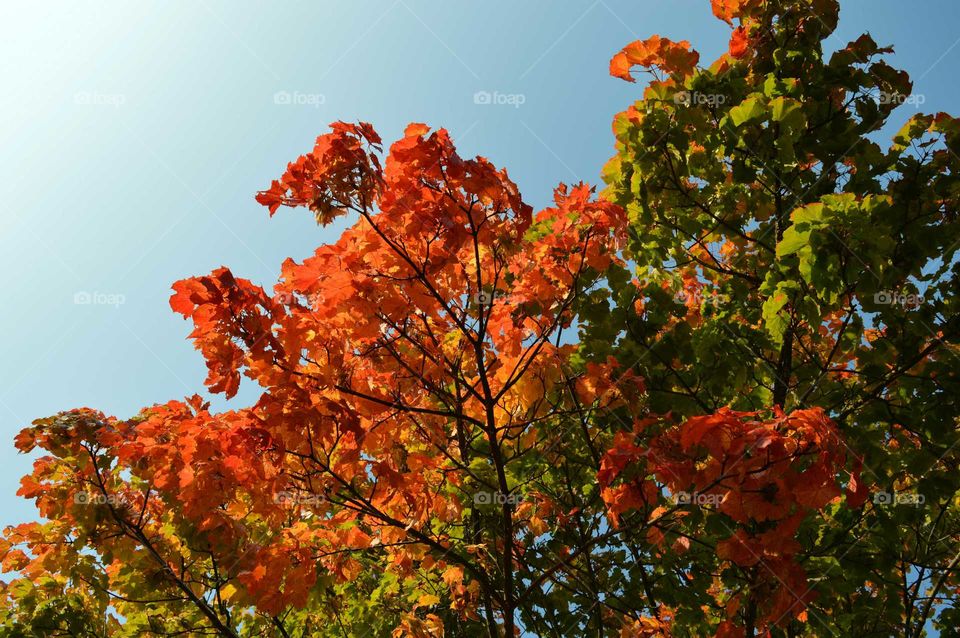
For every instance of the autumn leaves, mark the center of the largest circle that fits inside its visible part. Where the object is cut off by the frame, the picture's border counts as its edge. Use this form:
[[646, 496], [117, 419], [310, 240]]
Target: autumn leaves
[[645, 412]]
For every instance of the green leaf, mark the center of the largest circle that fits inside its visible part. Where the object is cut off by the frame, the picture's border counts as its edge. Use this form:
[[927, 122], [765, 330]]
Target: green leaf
[[749, 110], [793, 240]]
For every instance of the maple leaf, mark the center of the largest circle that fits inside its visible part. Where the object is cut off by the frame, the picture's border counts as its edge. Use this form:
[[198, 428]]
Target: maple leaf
[[341, 170], [739, 42], [672, 57], [728, 10]]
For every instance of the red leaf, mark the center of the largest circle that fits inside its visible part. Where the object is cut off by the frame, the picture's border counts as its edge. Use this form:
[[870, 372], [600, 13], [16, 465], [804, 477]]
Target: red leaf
[[739, 42]]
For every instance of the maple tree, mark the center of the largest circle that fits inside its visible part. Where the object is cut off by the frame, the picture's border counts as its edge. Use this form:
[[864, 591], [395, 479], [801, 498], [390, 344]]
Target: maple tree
[[661, 410]]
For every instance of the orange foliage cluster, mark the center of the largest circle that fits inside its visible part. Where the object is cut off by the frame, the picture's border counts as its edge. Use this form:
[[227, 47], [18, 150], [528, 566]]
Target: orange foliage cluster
[[431, 318], [765, 476]]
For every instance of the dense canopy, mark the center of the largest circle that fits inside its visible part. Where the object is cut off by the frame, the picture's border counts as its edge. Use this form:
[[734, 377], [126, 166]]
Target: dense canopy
[[715, 397]]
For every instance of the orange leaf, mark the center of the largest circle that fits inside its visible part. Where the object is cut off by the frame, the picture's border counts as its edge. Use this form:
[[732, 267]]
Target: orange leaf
[[672, 57], [739, 42], [727, 10]]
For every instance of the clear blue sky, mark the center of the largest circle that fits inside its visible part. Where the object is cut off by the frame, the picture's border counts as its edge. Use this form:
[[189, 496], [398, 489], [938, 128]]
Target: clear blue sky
[[134, 136]]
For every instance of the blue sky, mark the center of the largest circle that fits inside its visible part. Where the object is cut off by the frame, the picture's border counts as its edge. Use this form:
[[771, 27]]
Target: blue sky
[[134, 136]]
